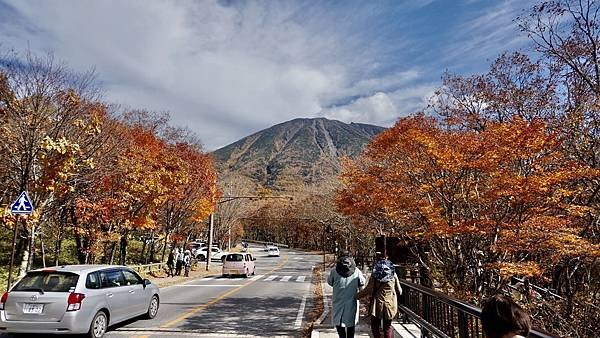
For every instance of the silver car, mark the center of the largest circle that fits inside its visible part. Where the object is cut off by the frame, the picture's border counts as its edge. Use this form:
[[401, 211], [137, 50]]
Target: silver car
[[77, 299]]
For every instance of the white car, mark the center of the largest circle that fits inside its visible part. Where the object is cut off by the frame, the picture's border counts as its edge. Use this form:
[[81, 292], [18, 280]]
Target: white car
[[273, 251], [77, 299], [217, 254]]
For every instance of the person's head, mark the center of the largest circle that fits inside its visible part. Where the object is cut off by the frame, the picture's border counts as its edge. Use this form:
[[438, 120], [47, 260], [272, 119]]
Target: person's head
[[502, 317], [379, 256], [345, 253], [345, 265]]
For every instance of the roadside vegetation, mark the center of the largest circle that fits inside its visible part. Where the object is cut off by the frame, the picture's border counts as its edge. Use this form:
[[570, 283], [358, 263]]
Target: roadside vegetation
[[109, 185], [501, 177]]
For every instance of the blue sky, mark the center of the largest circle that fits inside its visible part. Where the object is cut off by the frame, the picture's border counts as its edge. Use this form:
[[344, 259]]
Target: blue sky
[[226, 69]]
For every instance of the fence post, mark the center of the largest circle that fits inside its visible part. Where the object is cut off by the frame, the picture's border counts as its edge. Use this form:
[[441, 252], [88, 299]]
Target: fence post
[[463, 325]]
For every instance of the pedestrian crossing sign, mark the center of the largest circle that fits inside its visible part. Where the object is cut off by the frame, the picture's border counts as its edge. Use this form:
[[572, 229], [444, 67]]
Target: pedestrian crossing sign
[[22, 205]]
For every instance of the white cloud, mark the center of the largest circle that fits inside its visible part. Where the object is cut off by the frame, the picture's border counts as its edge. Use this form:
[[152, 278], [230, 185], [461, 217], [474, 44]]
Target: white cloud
[[227, 70], [383, 108]]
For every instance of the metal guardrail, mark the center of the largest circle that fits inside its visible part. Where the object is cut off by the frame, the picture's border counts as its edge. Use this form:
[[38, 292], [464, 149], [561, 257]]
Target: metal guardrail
[[263, 242], [440, 315]]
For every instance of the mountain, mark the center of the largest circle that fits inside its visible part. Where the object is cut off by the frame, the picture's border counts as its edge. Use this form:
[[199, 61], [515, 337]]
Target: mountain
[[302, 150]]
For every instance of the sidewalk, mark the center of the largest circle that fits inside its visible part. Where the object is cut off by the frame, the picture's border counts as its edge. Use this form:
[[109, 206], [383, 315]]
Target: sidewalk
[[161, 280], [324, 329]]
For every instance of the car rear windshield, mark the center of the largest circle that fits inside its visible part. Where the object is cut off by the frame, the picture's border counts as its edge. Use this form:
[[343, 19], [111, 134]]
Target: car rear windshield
[[235, 258], [273, 249], [47, 281]]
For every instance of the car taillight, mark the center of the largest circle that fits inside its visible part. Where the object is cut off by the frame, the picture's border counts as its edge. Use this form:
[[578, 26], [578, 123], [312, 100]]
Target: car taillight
[[3, 300], [74, 301]]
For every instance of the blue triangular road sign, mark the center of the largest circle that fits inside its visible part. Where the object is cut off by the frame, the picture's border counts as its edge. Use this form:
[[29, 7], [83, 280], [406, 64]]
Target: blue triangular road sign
[[22, 205]]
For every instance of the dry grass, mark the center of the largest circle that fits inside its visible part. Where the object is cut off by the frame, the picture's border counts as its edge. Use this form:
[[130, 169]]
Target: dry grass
[[317, 304]]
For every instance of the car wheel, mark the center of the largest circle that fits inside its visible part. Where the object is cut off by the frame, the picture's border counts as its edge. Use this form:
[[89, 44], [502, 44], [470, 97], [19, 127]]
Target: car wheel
[[98, 326], [201, 258], [247, 274], [153, 308]]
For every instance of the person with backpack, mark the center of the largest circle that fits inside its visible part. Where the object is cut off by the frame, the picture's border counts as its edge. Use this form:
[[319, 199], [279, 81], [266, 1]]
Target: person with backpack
[[346, 281], [178, 261], [170, 264], [187, 262], [384, 289]]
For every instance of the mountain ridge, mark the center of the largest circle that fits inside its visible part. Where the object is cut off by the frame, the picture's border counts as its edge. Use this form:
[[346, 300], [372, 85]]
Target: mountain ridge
[[302, 150]]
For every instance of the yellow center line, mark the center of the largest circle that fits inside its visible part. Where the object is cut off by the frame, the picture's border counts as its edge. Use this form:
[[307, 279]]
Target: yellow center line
[[213, 301]]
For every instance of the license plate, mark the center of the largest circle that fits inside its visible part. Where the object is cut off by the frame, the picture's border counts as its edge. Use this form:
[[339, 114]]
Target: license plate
[[234, 272], [33, 308]]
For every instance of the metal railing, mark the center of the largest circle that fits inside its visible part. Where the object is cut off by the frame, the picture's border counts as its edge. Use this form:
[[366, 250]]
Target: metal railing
[[440, 315], [264, 242], [148, 268]]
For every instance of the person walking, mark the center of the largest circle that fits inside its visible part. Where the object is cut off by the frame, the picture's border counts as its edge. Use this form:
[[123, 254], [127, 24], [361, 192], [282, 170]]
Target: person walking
[[178, 261], [170, 264], [501, 317], [346, 281], [384, 289], [187, 262]]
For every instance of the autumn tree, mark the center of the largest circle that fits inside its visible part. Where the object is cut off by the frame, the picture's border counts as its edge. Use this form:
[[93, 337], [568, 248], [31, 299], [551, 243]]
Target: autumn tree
[[49, 121]]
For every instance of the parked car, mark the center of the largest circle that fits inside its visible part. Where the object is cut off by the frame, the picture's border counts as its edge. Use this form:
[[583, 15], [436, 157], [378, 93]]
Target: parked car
[[239, 264], [273, 251], [217, 254], [76, 299], [269, 245]]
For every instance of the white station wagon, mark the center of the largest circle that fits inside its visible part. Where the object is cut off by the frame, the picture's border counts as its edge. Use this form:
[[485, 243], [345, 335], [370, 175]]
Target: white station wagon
[[76, 299]]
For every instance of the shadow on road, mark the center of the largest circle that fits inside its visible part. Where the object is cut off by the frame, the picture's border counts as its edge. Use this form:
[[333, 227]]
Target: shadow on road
[[264, 317]]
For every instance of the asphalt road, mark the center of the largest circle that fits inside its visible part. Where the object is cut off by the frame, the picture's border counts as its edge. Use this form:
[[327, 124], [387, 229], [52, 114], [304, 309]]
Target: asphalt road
[[272, 303]]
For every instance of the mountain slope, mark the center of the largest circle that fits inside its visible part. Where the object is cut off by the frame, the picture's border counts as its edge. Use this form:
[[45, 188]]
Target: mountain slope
[[298, 151]]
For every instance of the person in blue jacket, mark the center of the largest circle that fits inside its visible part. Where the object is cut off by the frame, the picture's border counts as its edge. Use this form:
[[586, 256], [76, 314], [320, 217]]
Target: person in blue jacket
[[346, 281]]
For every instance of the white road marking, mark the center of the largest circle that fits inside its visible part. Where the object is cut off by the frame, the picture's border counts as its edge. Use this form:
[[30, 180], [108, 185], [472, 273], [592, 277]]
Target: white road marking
[[257, 277], [298, 322], [207, 278], [286, 278], [203, 285], [270, 278], [300, 279]]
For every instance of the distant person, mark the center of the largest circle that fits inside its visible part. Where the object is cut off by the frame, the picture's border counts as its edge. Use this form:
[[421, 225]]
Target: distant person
[[501, 317], [187, 263], [346, 281], [178, 262], [170, 264], [384, 289]]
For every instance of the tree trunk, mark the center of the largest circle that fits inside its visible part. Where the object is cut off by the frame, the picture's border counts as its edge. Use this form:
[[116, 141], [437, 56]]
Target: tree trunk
[[26, 258], [123, 249], [80, 250], [112, 252], [143, 259], [152, 248], [57, 249], [164, 250], [30, 248], [43, 250]]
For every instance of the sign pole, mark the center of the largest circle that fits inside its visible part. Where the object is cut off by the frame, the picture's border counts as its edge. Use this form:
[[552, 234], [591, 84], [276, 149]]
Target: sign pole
[[14, 248], [21, 207], [210, 240]]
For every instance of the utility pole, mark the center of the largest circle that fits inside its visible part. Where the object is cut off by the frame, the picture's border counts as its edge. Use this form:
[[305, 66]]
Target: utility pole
[[210, 240]]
